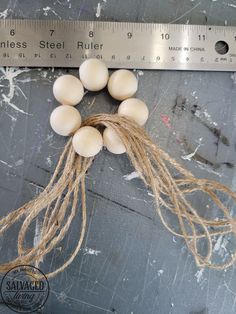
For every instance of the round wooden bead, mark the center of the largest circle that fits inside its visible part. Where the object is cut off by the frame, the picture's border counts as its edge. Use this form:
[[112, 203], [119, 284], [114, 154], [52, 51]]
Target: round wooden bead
[[122, 84], [65, 120], [113, 142], [68, 90], [134, 108], [93, 74], [87, 141]]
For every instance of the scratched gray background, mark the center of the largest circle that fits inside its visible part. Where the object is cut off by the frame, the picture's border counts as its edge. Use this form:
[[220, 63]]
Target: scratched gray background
[[129, 264]]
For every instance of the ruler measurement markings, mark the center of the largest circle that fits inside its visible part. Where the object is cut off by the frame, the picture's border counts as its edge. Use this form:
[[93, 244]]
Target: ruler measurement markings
[[147, 30]]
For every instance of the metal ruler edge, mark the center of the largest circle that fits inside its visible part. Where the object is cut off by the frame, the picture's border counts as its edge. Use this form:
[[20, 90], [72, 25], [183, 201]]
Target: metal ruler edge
[[66, 43]]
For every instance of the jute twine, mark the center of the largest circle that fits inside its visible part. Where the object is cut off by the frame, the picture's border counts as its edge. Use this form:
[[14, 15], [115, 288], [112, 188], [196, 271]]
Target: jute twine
[[58, 203]]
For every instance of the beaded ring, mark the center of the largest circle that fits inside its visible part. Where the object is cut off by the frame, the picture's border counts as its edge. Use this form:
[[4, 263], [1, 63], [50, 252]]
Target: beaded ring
[[123, 133], [69, 91]]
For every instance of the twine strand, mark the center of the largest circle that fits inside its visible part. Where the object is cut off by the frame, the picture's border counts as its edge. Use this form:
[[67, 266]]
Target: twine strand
[[57, 205]]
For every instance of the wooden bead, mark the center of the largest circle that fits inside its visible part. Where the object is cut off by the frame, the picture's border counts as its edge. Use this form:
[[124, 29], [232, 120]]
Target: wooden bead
[[65, 120], [68, 90], [93, 74], [122, 84], [87, 141], [113, 142], [134, 108]]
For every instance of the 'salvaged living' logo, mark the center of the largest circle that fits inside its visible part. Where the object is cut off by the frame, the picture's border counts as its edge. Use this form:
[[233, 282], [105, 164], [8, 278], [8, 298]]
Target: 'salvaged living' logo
[[24, 289]]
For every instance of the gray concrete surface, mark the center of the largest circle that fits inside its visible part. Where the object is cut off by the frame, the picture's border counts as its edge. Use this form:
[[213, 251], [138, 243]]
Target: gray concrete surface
[[129, 263]]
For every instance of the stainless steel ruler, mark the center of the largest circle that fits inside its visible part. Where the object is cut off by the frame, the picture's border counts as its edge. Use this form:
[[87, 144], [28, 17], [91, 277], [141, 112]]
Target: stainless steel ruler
[[54, 43]]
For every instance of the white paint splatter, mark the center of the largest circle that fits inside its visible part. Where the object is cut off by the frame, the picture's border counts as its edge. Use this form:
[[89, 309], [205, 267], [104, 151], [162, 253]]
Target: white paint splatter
[[92, 103], [38, 188], [208, 169], [13, 119], [232, 5], [233, 77], [13, 122], [4, 14], [37, 233], [89, 251], [206, 115], [140, 73], [199, 275], [190, 156], [185, 13], [44, 74], [49, 161], [199, 141], [49, 137], [5, 163], [221, 246], [10, 75], [19, 162], [37, 238], [131, 176], [47, 10], [160, 272], [218, 244], [99, 8], [138, 199]]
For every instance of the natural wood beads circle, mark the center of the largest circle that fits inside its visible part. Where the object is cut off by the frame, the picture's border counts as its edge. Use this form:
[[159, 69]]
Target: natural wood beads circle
[[69, 90]]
